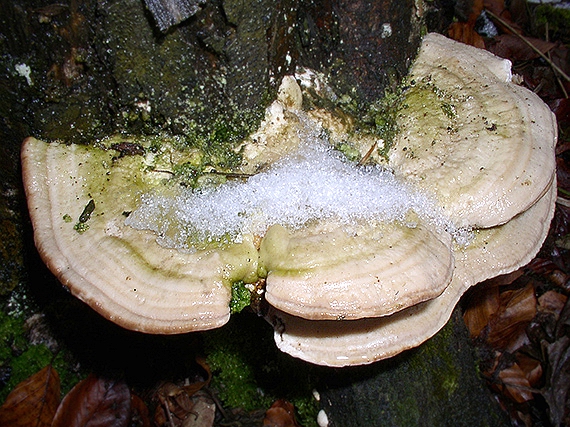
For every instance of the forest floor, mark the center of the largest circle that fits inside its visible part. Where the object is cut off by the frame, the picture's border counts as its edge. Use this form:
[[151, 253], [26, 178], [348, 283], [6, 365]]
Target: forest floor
[[520, 323]]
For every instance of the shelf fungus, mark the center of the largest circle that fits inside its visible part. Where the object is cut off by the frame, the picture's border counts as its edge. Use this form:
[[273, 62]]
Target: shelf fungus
[[360, 261]]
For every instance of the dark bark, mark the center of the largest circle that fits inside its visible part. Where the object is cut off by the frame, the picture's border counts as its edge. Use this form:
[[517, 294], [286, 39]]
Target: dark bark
[[435, 384]]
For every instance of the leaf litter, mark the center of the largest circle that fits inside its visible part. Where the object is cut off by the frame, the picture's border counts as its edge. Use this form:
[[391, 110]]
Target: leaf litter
[[520, 323]]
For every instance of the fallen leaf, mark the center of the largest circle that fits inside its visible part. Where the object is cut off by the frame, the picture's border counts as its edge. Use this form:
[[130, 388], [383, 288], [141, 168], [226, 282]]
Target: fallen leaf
[[514, 48], [552, 302], [483, 303], [280, 414], [203, 412], [531, 367], [498, 8], [464, 32], [517, 386], [33, 402], [561, 108], [95, 402], [193, 387], [557, 394], [507, 327], [139, 413]]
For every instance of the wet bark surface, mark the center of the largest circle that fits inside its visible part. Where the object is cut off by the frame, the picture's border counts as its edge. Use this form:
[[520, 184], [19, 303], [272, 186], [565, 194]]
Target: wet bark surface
[[434, 384]]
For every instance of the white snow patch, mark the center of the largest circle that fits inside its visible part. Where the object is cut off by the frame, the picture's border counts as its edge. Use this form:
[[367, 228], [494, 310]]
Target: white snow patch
[[315, 183]]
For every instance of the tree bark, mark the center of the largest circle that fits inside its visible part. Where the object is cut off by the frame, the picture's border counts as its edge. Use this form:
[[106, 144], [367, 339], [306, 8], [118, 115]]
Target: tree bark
[[435, 384]]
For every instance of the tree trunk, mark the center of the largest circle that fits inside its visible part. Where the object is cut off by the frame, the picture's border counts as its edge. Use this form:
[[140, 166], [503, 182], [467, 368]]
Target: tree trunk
[[435, 384]]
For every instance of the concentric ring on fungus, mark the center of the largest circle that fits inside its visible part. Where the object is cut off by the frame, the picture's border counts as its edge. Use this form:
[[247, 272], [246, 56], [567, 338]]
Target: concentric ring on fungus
[[477, 146]]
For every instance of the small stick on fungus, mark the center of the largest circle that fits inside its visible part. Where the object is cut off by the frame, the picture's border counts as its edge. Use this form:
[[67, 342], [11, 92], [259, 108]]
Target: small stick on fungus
[[367, 155]]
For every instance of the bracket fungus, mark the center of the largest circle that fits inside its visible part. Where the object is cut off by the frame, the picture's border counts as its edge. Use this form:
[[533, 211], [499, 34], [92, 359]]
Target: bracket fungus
[[359, 262]]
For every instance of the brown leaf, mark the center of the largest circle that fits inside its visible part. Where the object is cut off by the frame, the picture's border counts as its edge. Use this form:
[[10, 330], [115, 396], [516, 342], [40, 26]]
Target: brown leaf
[[517, 309], [281, 414], [203, 413], [464, 32], [498, 8], [193, 387], [95, 402], [531, 367], [512, 47], [139, 412], [483, 303], [33, 402], [552, 302], [516, 384], [557, 395]]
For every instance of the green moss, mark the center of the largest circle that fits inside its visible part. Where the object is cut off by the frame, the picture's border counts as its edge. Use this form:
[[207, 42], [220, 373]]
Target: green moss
[[231, 354], [406, 411], [22, 360], [241, 297], [443, 371], [11, 337], [557, 19], [250, 373]]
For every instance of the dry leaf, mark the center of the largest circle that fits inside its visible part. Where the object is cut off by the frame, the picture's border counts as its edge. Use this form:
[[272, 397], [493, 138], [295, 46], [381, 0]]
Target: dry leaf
[[203, 413], [33, 402], [516, 384], [483, 303], [507, 328], [552, 302], [193, 387], [531, 367], [498, 8], [95, 402], [557, 395], [281, 414], [464, 32], [139, 412], [512, 47]]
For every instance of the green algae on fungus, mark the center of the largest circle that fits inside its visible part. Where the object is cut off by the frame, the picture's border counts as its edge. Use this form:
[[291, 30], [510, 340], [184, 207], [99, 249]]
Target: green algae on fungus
[[156, 289], [323, 203]]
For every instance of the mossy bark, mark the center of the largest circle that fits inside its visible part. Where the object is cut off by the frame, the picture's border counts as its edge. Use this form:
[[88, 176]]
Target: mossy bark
[[436, 384]]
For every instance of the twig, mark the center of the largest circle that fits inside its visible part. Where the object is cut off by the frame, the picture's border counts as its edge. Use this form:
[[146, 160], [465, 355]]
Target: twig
[[562, 201], [542, 55], [231, 174], [560, 84], [367, 155]]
